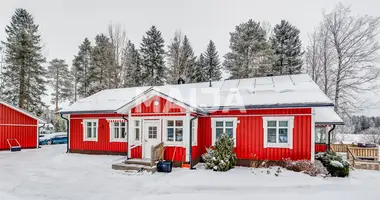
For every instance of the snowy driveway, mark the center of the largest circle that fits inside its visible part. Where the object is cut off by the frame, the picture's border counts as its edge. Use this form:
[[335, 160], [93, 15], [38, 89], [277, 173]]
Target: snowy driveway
[[50, 174]]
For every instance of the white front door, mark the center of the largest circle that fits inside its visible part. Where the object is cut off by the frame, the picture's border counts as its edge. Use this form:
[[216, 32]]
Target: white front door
[[152, 136]]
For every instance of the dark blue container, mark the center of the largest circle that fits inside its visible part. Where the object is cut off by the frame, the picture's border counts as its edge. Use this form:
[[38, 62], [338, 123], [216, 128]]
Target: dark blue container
[[164, 166], [17, 148]]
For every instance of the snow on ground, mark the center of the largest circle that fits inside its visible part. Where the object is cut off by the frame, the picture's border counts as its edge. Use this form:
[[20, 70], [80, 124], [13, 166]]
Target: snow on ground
[[49, 173]]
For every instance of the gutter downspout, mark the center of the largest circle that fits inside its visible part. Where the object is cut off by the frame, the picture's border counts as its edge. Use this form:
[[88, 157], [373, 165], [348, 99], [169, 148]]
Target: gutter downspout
[[38, 136], [126, 119], [329, 138], [191, 142], [67, 131]]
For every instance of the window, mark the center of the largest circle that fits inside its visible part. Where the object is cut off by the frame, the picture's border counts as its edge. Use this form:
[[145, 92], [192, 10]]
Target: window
[[194, 129], [90, 130], [223, 125], [174, 130], [152, 132], [321, 135], [136, 130], [118, 131], [278, 132]]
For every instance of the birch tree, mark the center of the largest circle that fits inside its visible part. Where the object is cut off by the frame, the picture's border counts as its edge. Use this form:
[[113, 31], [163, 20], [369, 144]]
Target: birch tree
[[356, 48], [118, 38]]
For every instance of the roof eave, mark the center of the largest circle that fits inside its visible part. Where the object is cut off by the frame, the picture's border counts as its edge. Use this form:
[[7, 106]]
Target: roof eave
[[291, 105], [88, 112], [329, 123]]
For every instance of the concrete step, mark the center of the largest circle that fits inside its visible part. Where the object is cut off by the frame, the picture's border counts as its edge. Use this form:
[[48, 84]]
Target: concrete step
[[145, 162], [133, 167]]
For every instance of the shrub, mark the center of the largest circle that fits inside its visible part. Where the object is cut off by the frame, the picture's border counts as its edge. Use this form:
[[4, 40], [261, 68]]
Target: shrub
[[222, 157], [334, 164], [306, 166]]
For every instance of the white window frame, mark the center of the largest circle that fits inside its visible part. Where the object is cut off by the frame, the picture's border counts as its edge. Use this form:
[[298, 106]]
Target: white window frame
[[112, 129], [288, 145], [213, 125], [134, 127], [194, 131], [85, 138], [165, 131], [174, 127]]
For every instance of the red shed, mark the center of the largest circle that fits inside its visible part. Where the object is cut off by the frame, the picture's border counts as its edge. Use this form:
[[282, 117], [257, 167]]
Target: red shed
[[17, 126], [270, 118]]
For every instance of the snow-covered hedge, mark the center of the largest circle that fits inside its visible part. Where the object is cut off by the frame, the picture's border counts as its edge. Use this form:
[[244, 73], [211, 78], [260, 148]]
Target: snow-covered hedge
[[222, 156], [306, 166], [334, 163]]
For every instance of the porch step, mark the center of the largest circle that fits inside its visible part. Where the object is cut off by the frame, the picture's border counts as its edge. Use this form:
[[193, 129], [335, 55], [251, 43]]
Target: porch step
[[145, 162], [133, 167]]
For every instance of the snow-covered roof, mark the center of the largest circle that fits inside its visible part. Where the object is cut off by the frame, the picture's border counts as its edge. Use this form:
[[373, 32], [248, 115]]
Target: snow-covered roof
[[261, 92], [40, 120], [326, 116]]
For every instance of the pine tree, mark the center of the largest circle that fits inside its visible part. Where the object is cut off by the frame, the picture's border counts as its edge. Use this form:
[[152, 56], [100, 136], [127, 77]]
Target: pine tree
[[132, 64], [102, 68], [152, 53], [287, 49], [250, 54], [82, 64], [212, 63], [201, 73], [62, 83], [187, 61], [222, 157], [24, 75]]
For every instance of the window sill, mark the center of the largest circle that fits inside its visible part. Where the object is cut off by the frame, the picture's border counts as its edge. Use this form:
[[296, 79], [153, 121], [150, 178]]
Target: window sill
[[171, 143], [118, 140], [90, 140], [284, 146]]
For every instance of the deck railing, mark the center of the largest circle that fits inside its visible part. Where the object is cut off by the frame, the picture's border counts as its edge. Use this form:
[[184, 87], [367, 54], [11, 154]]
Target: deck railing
[[340, 147], [363, 153], [157, 153]]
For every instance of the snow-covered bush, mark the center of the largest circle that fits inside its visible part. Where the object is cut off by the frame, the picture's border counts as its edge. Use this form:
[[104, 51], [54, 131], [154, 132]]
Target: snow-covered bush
[[222, 156], [306, 166], [334, 164]]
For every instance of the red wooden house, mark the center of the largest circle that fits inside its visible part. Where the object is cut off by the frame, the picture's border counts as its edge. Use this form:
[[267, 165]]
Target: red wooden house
[[270, 118], [17, 126]]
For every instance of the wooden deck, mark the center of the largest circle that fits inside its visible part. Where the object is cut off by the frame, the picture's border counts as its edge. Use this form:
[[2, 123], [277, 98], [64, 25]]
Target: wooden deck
[[359, 157]]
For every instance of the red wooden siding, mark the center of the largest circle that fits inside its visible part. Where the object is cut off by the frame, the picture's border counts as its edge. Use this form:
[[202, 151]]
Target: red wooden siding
[[320, 148], [250, 134], [102, 145], [178, 152], [25, 135], [14, 124], [164, 106], [11, 116], [136, 152]]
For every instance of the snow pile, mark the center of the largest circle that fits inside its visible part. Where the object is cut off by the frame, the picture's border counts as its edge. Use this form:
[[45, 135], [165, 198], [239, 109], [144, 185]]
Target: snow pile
[[336, 163]]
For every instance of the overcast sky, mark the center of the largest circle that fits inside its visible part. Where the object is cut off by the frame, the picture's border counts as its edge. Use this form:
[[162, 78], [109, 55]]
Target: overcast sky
[[65, 23]]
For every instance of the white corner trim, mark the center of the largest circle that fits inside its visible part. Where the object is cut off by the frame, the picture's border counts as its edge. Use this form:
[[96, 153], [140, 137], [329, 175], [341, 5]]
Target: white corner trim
[[85, 130], [195, 138], [312, 150], [213, 127], [288, 145]]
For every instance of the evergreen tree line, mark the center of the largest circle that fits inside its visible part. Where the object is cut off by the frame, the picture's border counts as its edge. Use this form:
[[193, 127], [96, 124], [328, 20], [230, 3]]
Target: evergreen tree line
[[362, 123], [113, 61]]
